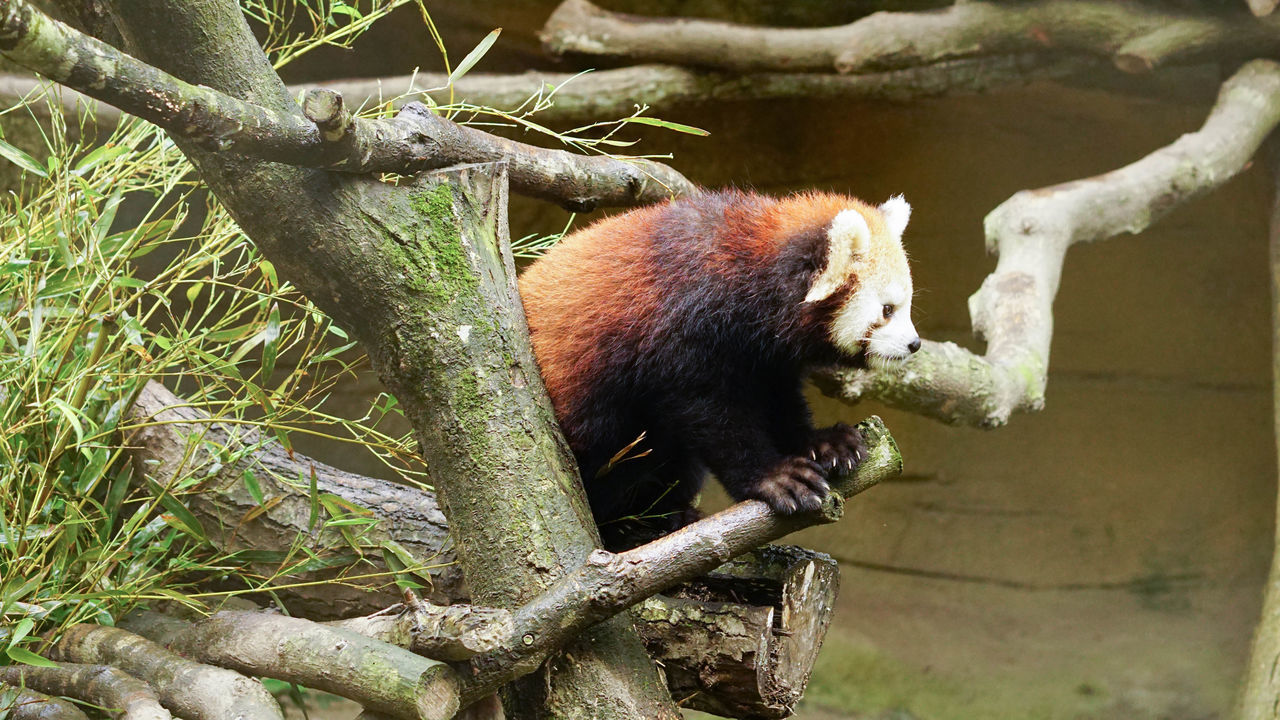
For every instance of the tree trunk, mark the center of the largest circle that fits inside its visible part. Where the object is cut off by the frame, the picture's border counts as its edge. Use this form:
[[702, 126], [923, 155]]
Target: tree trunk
[[415, 272]]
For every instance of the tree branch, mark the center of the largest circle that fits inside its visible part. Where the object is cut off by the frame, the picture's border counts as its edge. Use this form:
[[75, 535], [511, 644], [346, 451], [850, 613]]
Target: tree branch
[[1031, 232], [193, 690], [382, 677], [440, 632], [106, 687], [18, 703], [605, 94], [1131, 35], [608, 583], [414, 140], [173, 438]]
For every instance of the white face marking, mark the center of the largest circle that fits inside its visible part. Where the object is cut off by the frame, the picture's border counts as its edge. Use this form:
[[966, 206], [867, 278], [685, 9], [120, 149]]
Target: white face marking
[[861, 323], [876, 318], [847, 238]]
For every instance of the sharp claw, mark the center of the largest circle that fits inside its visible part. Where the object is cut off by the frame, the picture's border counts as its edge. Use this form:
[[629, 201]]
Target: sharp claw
[[848, 464], [813, 456]]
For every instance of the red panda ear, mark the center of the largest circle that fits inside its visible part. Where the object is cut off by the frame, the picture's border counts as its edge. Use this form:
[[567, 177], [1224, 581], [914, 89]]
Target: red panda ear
[[896, 213], [848, 238]]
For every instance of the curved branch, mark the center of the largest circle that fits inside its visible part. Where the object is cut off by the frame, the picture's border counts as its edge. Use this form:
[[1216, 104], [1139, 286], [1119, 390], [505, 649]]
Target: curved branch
[[414, 140], [608, 583], [888, 40], [1031, 232]]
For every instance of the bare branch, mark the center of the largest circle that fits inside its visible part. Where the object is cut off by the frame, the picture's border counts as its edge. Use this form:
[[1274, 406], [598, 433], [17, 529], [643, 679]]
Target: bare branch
[[413, 141], [99, 685], [382, 677], [192, 690], [17, 703], [607, 94], [1031, 232], [890, 40], [608, 583]]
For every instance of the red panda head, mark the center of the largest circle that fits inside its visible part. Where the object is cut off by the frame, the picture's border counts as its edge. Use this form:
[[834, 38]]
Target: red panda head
[[865, 260]]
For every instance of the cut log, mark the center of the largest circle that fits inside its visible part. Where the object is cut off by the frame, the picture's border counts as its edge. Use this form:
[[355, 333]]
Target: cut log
[[741, 642]]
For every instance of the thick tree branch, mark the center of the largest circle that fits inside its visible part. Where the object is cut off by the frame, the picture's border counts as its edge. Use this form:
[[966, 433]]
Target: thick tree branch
[[106, 687], [608, 583], [192, 690], [414, 140], [1031, 232], [174, 439], [382, 677], [1135, 37], [18, 703]]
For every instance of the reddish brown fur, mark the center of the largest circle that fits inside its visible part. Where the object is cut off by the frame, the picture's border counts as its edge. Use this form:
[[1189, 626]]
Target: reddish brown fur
[[686, 321]]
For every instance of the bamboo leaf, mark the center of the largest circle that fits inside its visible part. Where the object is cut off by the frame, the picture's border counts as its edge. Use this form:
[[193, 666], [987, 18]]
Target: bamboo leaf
[[474, 56], [22, 160], [678, 127]]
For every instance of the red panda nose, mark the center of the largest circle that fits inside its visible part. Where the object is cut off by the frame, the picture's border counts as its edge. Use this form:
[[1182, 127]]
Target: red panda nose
[[914, 345]]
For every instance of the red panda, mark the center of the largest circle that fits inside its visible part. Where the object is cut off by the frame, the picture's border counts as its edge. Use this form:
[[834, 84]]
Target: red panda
[[693, 323]]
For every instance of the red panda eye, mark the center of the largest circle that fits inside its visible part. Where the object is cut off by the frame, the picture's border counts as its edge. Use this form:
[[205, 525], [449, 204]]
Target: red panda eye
[[888, 311]]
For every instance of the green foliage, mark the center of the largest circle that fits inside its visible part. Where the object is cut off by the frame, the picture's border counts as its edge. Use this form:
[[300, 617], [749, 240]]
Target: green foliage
[[92, 306]]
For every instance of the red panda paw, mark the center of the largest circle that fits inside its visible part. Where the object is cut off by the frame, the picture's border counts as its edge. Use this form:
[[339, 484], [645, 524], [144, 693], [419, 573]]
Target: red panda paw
[[797, 484], [838, 447]]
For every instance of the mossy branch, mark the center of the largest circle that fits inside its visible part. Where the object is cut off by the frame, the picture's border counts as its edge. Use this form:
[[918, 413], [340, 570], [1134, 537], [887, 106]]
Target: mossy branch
[[416, 139]]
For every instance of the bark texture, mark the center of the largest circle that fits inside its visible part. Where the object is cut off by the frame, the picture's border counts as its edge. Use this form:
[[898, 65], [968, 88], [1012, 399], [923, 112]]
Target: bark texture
[[750, 654], [99, 685], [192, 690], [173, 437], [24, 704], [383, 678]]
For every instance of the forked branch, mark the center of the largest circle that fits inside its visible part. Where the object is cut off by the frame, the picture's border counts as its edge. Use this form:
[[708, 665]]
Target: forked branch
[[414, 140]]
